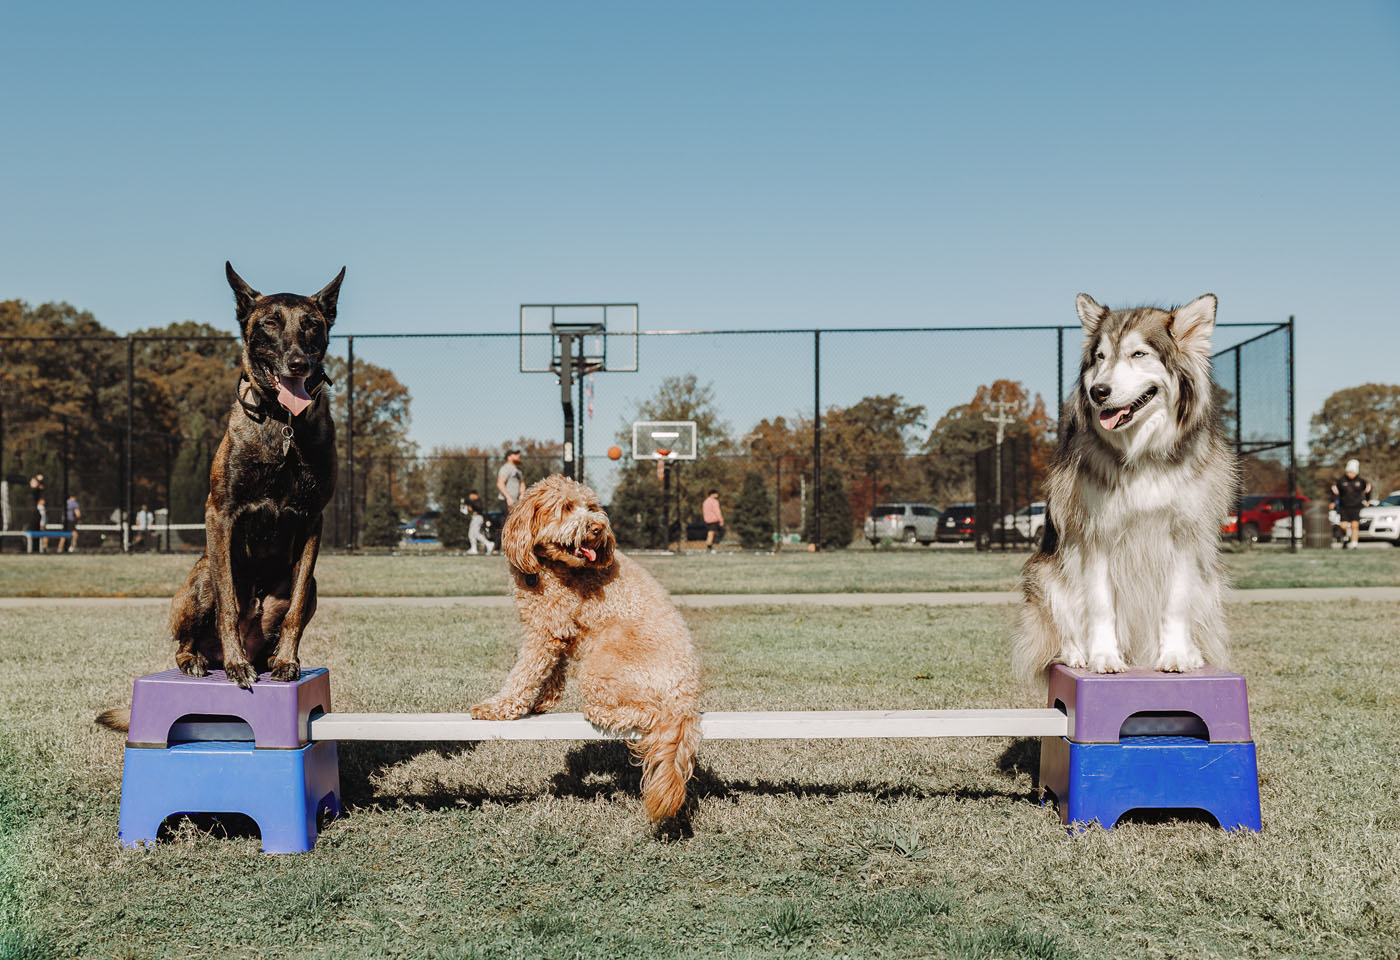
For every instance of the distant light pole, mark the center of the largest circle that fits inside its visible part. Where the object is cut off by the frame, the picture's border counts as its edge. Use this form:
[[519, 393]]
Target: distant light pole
[[1003, 417]]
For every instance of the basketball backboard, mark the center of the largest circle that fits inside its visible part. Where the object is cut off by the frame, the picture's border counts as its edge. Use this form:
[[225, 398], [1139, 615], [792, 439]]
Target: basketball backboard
[[607, 331], [664, 440]]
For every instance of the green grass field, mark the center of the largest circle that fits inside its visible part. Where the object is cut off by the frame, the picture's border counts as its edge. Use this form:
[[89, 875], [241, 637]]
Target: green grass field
[[807, 849], [895, 571]]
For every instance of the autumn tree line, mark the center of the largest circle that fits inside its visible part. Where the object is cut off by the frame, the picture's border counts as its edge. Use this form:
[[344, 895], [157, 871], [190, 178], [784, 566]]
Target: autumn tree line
[[64, 412]]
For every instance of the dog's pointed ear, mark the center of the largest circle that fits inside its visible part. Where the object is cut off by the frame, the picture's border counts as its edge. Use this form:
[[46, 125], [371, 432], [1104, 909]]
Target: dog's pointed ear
[[1090, 313], [518, 536], [244, 296], [326, 299], [1191, 326]]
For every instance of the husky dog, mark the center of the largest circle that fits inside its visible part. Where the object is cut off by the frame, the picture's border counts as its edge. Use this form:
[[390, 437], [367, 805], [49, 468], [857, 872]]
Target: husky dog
[[1128, 571]]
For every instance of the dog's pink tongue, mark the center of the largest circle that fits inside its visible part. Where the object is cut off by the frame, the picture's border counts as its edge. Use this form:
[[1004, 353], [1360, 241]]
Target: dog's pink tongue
[[1109, 419], [291, 393], [589, 553]]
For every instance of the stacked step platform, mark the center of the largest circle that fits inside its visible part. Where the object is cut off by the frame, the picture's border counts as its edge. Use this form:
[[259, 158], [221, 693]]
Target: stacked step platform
[[1145, 740], [205, 745]]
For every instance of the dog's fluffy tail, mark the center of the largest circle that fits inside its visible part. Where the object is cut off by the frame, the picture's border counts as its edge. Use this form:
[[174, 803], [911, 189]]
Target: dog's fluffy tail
[[1036, 644], [119, 720], [667, 753]]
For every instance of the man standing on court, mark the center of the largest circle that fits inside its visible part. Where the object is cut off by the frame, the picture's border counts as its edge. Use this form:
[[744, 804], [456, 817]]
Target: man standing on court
[[714, 519], [1351, 492], [72, 513], [509, 480]]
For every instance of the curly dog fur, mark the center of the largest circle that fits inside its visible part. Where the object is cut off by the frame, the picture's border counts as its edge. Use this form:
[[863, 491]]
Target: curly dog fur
[[580, 599]]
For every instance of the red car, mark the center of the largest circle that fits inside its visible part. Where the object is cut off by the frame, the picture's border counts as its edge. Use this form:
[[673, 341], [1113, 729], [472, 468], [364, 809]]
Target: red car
[[1258, 513]]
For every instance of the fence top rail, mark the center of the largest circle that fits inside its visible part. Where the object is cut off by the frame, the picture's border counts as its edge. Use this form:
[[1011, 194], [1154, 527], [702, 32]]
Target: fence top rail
[[1260, 336], [473, 334]]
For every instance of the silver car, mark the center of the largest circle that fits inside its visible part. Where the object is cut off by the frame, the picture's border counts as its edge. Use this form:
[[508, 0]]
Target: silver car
[[907, 522]]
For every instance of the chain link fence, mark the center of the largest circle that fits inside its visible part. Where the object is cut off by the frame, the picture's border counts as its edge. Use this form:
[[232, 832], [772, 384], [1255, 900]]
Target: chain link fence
[[1254, 381], [127, 428]]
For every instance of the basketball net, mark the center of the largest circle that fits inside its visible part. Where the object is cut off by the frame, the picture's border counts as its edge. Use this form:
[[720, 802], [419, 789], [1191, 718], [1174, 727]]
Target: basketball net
[[661, 456]]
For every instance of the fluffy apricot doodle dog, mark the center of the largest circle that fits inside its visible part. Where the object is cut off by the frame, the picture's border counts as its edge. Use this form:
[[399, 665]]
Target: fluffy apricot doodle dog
[[581, 600]]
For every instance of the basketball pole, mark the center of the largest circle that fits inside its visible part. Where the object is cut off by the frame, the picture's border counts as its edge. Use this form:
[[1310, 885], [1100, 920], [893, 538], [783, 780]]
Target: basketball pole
[[566, 396]]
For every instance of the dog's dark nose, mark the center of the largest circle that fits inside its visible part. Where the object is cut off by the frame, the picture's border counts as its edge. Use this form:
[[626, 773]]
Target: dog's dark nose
[[297, 366], [1099, 392]]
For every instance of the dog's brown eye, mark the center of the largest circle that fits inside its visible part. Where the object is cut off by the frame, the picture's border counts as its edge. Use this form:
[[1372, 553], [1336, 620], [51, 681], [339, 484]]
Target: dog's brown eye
[[1099, 355]]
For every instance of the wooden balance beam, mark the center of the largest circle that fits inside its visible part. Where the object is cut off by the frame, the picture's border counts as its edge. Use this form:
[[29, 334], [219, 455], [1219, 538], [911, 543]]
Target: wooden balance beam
[[775, 725]]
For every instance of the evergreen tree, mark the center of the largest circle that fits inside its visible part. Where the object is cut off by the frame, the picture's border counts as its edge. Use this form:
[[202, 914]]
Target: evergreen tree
[[753, 513], [189, 482], [454, 483], [837, 527], [380, 525], [635, 511]]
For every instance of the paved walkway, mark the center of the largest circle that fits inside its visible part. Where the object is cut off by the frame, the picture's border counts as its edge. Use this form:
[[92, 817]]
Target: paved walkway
[[698, 600]]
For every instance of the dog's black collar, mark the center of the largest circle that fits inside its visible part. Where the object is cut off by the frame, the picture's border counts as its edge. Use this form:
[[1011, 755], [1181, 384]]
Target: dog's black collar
[[264, 408]]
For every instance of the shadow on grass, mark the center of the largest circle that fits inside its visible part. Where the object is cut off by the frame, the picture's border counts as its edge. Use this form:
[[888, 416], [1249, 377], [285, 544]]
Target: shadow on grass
[[597, 770], [1022, 756]]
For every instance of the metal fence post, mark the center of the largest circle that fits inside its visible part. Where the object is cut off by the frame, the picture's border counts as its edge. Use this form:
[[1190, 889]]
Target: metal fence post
[[1292, 453], [777, 500], [817, 439], [1239, 448], [130, 429], [1059, 377], [350, 431]]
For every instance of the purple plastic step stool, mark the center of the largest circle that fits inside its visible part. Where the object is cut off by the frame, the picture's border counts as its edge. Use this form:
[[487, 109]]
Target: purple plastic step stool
[[277, 712], [1206, 703]]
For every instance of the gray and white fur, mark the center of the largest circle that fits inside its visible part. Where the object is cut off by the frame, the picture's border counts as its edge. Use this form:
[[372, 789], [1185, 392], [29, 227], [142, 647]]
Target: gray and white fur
[[1128, 572]]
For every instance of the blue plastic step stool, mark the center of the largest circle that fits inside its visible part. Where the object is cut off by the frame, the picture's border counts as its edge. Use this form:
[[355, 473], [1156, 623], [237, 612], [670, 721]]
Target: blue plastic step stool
[[282, 790], [1126, 749], [1102, 781], [212, 763]]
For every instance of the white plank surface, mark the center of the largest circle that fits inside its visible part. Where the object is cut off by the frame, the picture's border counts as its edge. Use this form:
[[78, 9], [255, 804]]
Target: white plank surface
[[777, 725]]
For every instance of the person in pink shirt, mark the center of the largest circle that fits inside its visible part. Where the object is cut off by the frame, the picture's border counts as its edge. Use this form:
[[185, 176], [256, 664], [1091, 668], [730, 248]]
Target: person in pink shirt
[[714, 519]]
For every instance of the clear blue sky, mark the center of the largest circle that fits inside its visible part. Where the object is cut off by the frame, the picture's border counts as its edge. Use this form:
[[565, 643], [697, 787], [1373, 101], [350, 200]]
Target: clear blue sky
[[724, 164]]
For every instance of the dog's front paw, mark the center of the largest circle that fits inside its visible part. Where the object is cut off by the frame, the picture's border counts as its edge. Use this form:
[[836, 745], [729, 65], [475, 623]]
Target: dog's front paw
[[242, 674], [1074, 657], [1107, 662], [288, 671], [497, 710], [192, 664], [1179, 661]]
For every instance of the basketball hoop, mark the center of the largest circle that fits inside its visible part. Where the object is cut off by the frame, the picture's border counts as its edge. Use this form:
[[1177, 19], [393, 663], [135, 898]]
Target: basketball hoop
[[661, 457]]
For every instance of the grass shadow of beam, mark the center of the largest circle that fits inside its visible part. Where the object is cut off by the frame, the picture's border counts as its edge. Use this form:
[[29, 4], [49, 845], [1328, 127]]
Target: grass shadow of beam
[[600, 769]]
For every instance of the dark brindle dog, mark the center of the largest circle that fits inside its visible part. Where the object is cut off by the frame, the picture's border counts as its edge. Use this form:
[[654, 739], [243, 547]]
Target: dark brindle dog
[[248, 599]]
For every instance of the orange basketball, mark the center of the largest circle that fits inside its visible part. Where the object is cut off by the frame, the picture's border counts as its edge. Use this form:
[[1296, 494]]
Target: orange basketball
[[614, 453]]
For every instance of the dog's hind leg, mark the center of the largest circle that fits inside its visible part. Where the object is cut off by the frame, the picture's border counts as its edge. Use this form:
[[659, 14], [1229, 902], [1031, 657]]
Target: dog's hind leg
[[192, 620]]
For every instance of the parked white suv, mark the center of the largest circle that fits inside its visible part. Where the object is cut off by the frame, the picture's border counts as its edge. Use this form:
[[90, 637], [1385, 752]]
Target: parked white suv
[[908, 522], [1026, 523]]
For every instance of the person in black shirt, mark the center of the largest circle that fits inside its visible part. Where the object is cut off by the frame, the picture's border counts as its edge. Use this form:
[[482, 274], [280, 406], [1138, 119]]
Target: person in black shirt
[[1351, 492]]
